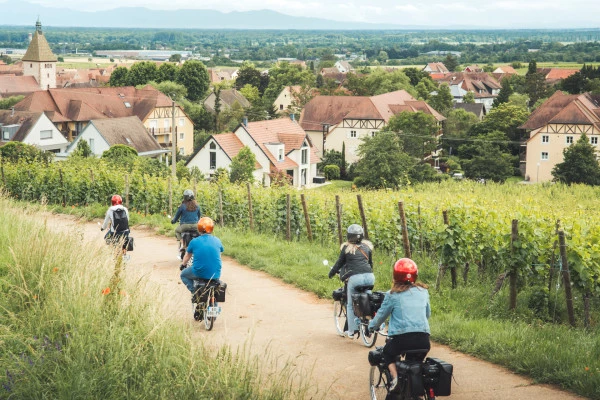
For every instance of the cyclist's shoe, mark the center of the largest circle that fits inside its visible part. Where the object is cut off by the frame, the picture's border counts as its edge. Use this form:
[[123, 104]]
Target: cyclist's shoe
[[350, 334], [393, 384]]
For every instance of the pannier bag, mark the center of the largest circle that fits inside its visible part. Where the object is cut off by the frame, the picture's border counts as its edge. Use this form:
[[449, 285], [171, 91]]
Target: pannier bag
[[376, 356], [129, 242], [438, 375], [201, 291], [361, 305], [376, 298], [411, 373], [338, 294], [220, 292]]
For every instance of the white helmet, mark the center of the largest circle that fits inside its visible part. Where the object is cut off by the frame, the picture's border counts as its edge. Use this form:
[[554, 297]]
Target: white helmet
[[188, 195], [355, 233]]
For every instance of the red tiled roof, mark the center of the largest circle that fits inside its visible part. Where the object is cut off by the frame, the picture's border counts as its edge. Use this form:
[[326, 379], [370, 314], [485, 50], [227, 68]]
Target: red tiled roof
[[556, 74], [11, 85], [230, 143], [564, 108]]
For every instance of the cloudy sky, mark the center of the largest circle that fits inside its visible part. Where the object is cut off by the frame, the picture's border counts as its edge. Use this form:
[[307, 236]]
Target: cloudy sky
[[492, 14]]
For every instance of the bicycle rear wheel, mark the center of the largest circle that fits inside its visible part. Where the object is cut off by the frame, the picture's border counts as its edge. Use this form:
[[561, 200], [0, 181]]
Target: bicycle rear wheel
[[339, 316], [378, 383], [209, 321], [368, 341]]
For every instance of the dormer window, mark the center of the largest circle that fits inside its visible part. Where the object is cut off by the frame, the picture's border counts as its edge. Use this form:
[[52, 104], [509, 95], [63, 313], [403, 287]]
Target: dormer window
[[127, 104], [128, 140]]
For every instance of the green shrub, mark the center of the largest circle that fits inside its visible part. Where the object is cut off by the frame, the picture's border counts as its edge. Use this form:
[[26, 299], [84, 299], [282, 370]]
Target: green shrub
[[331, 172]]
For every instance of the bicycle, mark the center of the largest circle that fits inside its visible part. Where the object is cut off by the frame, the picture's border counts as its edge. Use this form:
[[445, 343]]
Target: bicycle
[[340, 297], [418, 377], [207, 295]]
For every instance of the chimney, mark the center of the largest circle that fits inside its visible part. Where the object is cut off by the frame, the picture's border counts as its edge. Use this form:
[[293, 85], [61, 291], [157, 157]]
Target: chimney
[[245, 121]]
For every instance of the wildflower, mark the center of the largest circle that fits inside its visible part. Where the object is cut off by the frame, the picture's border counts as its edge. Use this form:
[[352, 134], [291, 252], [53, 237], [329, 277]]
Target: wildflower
[[35, 296], [106, 291], [587, 368], [55, 269]]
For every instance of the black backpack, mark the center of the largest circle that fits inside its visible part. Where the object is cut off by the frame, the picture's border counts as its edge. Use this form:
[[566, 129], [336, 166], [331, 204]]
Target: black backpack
[[120, 221]]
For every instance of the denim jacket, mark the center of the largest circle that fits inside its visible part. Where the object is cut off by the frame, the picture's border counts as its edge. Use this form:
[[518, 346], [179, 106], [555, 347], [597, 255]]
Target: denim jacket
[[186, 217], [409, 310]]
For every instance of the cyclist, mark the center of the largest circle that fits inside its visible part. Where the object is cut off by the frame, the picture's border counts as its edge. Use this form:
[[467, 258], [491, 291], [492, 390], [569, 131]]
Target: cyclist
[[187, 214], [207, 250], [355, 266], [117, 220], [408, 304]]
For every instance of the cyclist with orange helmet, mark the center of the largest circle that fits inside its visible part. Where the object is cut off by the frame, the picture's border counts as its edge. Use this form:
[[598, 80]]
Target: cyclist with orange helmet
[[206, 250], [407, 305], [117, 220]]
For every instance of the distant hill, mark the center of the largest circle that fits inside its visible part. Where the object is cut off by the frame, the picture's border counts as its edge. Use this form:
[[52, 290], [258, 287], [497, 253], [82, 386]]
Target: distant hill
[[23, 13]]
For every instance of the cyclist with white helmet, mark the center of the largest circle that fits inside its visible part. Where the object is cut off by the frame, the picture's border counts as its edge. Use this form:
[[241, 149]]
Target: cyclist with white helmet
[[407, 305], [355, 266], [188, 214]]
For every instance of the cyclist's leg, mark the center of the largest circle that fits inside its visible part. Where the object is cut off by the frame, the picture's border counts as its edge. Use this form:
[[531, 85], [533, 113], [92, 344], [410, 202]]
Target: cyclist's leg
[[187, 277]]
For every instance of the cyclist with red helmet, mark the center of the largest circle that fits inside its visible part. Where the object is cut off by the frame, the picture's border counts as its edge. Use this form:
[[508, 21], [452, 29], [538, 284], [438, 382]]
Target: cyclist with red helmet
[[117, 220], [407, 305], [206, 250]]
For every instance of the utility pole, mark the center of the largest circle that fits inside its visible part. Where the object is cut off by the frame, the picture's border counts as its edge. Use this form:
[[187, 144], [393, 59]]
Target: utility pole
[[173, 143]]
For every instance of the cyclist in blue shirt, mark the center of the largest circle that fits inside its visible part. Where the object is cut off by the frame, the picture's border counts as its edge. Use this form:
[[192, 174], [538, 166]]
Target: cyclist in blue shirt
[[407, 305], [206, 250]]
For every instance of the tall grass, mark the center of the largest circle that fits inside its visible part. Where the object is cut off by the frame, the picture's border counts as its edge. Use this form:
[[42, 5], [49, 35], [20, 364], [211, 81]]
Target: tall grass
[[73, 327]]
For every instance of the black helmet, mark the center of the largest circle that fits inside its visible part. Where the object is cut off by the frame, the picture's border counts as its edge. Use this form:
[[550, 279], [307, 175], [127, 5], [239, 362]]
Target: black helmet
[[188, 195], [355, 233]]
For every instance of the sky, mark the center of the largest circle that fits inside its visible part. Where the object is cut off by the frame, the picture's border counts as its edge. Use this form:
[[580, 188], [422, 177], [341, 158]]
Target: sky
[[451, 13]]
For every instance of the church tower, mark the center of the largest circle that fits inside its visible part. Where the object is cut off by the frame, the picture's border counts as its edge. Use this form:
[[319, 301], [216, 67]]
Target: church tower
[[39, 61]]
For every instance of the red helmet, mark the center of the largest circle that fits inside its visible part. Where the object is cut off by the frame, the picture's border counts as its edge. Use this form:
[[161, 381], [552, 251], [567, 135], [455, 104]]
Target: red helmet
[[206, 225], [405, 271], [116, 199]]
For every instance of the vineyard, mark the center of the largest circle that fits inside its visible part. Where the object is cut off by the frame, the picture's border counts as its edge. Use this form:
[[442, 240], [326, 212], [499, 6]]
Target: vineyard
[[499, 233]]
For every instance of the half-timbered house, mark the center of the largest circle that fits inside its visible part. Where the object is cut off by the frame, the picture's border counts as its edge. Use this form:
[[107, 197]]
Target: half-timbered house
[[554, 126]]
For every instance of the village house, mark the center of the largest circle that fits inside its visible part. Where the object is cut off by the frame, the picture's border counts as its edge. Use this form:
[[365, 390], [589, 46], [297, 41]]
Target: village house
[[227, 98], [283, 102], [343, 67], [335, 121], [555, 125], [555, 75], [72, 109], [39, 61], [103, 133], [484, 87], [474, 108], [436, 68], [33, 128], [280, 145]]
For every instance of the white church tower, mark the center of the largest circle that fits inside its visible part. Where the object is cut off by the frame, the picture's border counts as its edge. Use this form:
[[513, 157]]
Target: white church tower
[[39, 61]]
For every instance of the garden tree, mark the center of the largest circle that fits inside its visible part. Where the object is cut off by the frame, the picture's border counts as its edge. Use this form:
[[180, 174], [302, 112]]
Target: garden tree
[[489, 67], [248, 75], [416, 75], [425, 87], [416, 131], [356, 84], [579, 164], [285, 74], [182, 171], [175, 58], [379, 81], [382, 57], [299, 99], [231, 117], [451, 62], [118, 77], [82, 150], [333, 157], [18, 151], [7, 103], [172, 89], [383, 163], [141, 73], [319, 82], [242, 166], [202, 119], [442, 100], [519, 100], [469, 98], [535, 84], [424, 172], [573, 84], [280, 179], [505, 118], [194, 76], [504, 93], [326, 64], [456, 128], [328, 55], [343, 164], [121, 155], [250, 93], [200, 137], [488, 156], [217, 107], [311, 66], [531, 68], [167, 72]]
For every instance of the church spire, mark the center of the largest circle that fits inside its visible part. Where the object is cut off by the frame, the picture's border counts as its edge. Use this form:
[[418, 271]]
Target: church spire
[[38, 26]]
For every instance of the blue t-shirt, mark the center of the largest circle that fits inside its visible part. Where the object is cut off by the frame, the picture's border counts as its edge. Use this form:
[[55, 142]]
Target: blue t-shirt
[[207, 251]]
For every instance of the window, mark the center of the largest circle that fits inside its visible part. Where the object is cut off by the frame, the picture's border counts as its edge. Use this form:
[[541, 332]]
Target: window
[[281, 107], [304, 156], [127, 104], [181, 121], [280, 157], [91, 144], [181, 135], [544, 155], [153, 124], [594, 140], [6, 135], [569, 139], [545, 139], [181, 150], [373, 134], [353, 134], [46, 134], [213, 146], [213, 160], [167, 123]]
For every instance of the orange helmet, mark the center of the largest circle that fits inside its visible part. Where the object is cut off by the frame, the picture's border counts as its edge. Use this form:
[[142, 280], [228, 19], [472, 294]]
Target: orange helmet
[[116, 199], [405, 271], [206, 225]]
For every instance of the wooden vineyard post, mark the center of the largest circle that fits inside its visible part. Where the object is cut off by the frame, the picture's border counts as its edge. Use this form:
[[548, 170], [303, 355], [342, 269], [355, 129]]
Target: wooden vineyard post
[[2, 170], [306, 217], [288, 218], [405, 242], [250, 215], [338, 210], [586, 309], [87, 197], [127, 191], [453, 269], [221, 207], [170, 196], [62, 188], [362, 216], [194, 187], [566, 274], [513, 268]]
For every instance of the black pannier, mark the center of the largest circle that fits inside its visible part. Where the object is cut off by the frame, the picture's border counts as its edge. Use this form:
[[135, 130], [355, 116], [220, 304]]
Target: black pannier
[[361, 305], [411, 373], [376, 298], [376, 356], [201, 291], [338, 294], [220, 292], [129, 243], [438, 375]]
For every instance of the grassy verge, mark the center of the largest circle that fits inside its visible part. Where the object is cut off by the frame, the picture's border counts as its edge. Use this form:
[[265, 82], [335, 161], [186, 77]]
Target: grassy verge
[[72, 327]]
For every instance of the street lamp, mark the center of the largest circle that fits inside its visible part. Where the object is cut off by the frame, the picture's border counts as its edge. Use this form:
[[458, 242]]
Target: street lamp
[[537, 178]]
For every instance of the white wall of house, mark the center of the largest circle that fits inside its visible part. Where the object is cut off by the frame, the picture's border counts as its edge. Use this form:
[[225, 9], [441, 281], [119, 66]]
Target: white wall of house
[[90, 134], [46, 136], [351, 137], [43, 72], [202, 159], [261, 157], [545, 149], [284, 100]]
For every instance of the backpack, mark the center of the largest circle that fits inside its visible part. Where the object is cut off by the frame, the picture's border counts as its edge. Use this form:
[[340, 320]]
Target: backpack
[[120, 221]]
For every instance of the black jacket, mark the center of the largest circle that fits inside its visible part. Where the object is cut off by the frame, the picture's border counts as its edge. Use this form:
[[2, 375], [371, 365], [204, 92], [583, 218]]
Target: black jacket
[[348, 264]]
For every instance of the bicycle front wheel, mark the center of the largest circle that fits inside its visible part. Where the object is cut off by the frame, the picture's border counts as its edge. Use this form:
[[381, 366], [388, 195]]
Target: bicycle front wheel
[[368, 341], [379, 383], [339, 316]]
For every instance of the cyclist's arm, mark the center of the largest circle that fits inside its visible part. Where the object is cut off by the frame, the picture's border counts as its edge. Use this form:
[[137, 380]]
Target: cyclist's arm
[[340, 262], [177, 215], [107, 219], [384, 311], [186, 258]]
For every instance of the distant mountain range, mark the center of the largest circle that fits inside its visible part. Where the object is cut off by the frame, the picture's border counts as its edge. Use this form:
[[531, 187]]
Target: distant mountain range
[[22, 13]]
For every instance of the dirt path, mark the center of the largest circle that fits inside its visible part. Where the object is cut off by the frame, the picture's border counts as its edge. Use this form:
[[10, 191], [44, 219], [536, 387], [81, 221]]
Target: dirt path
[[280, 322]]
